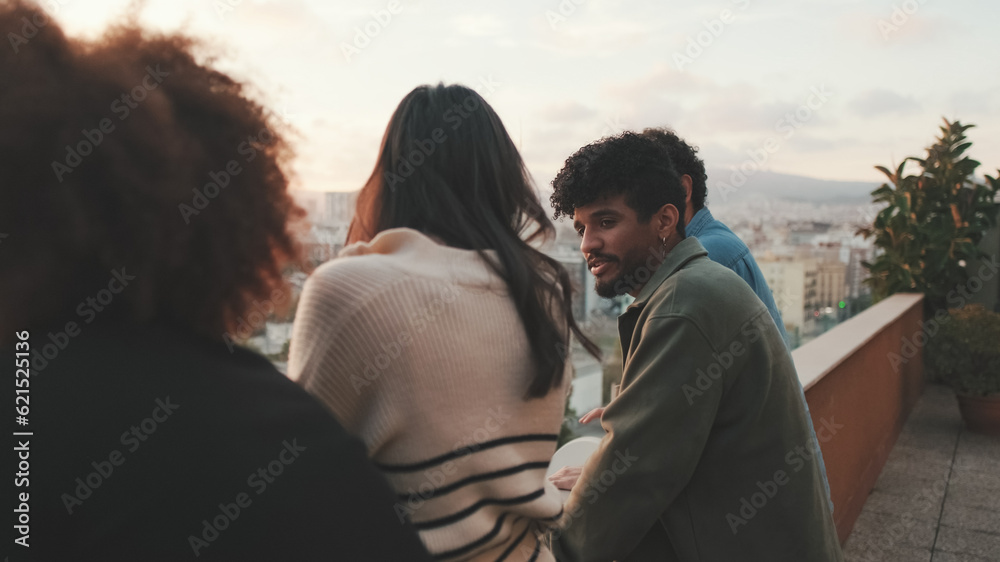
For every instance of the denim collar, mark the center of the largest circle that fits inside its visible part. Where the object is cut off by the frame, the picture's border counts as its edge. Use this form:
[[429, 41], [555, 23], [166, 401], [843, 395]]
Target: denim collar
[[698, 222]]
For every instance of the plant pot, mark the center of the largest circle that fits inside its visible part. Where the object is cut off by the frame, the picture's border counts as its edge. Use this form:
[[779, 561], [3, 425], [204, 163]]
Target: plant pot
[[981, 414]]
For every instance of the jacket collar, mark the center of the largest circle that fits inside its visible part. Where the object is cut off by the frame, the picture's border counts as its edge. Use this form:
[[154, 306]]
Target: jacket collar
[[685, 251]]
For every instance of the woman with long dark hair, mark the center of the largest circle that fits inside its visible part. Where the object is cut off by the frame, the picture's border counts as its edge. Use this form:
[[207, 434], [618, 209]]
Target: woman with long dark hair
[[441, 335]]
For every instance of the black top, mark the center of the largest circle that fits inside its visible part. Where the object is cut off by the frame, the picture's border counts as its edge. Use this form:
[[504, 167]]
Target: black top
[[150, 444]]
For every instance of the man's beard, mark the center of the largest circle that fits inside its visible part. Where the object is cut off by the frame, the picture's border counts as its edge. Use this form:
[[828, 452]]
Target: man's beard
[[621, 283], [607, 290]]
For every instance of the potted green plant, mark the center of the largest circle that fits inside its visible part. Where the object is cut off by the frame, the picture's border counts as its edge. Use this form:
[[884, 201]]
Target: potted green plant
[[965, 353], [931, 222]]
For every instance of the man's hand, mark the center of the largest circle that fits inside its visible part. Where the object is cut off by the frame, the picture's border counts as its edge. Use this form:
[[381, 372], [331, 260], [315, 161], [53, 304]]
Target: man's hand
[[565, 478], [592, 415]]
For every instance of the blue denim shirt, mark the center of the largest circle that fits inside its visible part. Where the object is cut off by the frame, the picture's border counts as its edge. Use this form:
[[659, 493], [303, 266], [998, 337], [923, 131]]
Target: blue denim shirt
[[725, 248]]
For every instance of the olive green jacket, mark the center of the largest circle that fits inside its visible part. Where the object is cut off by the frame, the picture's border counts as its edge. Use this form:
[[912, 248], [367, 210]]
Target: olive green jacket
[[707, 456]]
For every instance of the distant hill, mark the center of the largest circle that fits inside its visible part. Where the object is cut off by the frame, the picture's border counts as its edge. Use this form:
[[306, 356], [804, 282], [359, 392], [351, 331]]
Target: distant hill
[[767, 186], [772, 186], [775, 186]]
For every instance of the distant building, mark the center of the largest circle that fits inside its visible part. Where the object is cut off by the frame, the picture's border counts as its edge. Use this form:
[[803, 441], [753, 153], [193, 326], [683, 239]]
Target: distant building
[[588, 379], [339, 207], [811, 288], [830, 286], [323, 242], [805, 233], [327, 208], [312, 202], [856, 273], [275, 336], [584, 297], [794, 285], [821, 251]]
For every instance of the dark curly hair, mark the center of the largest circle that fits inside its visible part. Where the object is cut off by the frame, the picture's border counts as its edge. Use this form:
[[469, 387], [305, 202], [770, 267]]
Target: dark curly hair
[[686, 161], [127, 152], [629, 164]]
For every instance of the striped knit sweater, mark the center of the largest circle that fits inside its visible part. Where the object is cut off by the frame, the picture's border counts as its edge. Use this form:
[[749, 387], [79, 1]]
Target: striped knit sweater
[[417, 348]]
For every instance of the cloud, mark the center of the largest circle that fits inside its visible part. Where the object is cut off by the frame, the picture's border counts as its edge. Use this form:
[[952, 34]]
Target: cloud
[[661, 79], [479, 25], [737, 110], [288, 18], [916, 29], [661, 97], [890, 27], [874, 103], [717, 155], [567, 112], [974, 102], [805, 142], [591, 28]]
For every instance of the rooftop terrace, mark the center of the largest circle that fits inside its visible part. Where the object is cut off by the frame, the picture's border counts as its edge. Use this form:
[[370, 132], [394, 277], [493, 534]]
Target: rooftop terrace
[[938, 497]]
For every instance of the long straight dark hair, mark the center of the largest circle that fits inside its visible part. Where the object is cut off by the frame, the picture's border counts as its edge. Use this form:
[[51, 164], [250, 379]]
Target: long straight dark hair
[[448, 168]]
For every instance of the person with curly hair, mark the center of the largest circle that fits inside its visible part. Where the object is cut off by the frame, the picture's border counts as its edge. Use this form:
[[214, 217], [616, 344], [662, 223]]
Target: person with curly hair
[[441, 336], [145, 210], [708, 453]]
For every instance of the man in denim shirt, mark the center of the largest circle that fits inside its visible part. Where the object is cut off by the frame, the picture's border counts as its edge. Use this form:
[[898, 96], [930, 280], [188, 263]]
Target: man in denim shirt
[[722, 244]]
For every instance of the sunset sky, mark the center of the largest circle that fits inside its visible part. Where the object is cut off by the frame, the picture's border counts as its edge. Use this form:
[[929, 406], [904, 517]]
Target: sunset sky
[[725, 74]]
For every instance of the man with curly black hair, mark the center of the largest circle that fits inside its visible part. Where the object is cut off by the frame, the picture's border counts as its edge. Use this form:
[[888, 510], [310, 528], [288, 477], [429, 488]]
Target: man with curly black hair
[[708, 453]]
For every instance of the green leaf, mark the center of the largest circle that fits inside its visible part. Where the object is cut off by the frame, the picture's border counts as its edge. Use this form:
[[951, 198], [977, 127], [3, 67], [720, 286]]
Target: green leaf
[[958, 150], [887, 173]]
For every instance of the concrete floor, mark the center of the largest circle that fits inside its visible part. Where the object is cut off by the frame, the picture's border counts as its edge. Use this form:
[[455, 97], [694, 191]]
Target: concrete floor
[[938, 498]]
